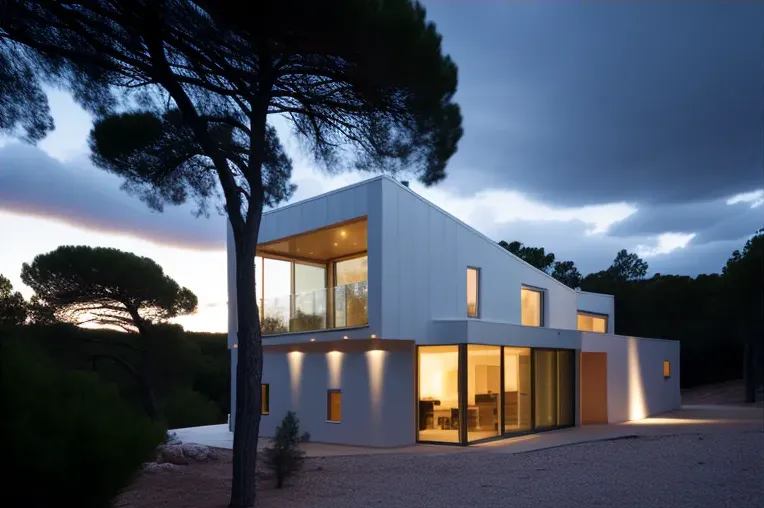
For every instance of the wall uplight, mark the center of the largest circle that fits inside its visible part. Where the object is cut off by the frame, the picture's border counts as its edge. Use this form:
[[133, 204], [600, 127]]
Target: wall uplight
[[313, 339], [373, 335], [345, 337]]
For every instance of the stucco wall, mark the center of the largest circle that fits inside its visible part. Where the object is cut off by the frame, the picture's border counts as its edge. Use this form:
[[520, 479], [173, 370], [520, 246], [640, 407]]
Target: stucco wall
[[377, 395], [424, 268], [636, 387], [598, 304]]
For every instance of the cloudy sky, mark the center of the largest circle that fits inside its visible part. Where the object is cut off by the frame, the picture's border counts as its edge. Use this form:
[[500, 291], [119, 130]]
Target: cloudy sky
[[588, 128]]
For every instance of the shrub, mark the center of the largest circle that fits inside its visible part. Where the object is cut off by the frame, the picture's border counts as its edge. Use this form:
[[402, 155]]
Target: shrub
[[67, 436], [284, 456], [187, 408]]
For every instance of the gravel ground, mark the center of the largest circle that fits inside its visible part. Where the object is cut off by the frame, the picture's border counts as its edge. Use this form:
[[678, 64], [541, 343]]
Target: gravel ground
[[692, 470]]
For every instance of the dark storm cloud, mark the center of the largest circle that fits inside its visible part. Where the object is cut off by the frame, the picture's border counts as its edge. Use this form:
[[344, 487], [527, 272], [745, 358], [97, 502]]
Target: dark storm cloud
[[648, 102], [33, 183], [709, 220]]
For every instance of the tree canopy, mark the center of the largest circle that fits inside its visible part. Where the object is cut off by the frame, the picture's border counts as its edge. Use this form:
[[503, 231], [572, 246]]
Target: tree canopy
[[534, 256], [13, 309], [567, 273], [107, 287], [363, 83]]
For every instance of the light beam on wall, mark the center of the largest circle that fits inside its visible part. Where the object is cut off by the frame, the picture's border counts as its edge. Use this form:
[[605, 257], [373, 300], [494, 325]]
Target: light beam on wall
[[334, 368], [376, 362], [637, 409], [295, 374]]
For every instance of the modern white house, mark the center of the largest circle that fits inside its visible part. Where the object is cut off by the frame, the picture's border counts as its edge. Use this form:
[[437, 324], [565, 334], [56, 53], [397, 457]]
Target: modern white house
[[387, 322]]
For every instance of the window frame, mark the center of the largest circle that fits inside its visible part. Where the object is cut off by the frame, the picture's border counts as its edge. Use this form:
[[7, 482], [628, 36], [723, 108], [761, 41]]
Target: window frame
[[265, 398], [477, 292], [595, 315], [329, 393], [542, 304]]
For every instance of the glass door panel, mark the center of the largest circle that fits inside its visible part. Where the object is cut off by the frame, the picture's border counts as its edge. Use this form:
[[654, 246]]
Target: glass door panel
[[438, 394], [517, 389], [483, 391]]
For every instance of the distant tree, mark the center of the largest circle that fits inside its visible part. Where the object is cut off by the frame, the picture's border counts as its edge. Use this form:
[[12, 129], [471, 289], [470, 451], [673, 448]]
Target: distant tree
[[628, 267], [534, 256], [112, 288], [364, 84], [13, 309], [743, 277], [567, 273]]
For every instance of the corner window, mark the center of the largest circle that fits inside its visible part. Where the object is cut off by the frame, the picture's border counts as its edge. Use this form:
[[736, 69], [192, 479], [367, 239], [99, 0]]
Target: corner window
[[473, 290], [265, 402], [666, 369], [334, 405], [589, 322], [531, 307]]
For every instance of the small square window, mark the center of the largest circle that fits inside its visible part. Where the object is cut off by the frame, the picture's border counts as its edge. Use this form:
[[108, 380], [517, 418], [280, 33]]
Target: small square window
[[473, 292], [666, 369], [334, 405], [265, 402]]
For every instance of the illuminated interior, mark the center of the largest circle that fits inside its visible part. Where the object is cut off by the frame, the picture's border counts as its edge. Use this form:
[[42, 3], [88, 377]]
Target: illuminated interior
[[588, 322], [473, 280], [492, 405], [314, 281], [334, 405], [531, 307]]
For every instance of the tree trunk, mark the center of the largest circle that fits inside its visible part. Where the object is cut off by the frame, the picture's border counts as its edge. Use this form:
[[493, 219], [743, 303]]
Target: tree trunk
[[248, 375], [147, 395]]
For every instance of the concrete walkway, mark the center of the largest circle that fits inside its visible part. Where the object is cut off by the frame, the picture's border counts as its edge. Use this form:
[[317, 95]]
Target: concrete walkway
[[688, 420]]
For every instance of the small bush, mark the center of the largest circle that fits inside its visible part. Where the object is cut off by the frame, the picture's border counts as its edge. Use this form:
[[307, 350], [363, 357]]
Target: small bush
[[187, 408], [284, 456], [66, 435]]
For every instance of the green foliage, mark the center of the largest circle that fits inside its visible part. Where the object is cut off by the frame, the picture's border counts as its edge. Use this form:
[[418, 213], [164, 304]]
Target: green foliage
[[66, 434], [284, 456], [534, 256], [628, 267], [567, 273], [270, 325], [13, 309], [106, 286], [187, 408], [304, 322]]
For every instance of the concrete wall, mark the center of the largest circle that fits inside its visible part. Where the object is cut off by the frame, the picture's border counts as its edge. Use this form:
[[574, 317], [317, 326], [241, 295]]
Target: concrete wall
[[425, 257], [598, 304], [636, 387], [377, 395]]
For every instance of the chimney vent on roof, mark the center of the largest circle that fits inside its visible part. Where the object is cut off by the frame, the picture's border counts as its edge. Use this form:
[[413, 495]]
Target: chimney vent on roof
[[405, 183]]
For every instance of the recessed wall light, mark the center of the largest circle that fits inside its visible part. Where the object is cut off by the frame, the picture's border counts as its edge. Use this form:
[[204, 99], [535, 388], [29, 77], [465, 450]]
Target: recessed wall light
[[373, 336], [343, 234], [335, 244], [312, 339], [345, 337]]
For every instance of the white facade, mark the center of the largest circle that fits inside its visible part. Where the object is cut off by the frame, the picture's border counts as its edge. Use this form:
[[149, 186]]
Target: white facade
[[417, 261]]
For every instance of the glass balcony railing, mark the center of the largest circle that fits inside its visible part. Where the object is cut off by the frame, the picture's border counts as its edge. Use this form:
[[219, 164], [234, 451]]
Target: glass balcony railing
[[336, 307]]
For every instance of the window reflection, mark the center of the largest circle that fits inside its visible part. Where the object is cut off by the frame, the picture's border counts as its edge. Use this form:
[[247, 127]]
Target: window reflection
[[517, 389], [483, 391], [438, 418]]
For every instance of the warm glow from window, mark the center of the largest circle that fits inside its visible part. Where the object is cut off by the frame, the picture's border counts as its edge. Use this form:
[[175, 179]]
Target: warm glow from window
[[666, 368], [334, 405], [265, 402], [531, 307], [473, 280], [592, 323]]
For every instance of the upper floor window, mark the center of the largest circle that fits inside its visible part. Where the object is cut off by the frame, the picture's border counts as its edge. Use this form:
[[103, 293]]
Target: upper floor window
[[532, 307], [473, 291], [590, 322]]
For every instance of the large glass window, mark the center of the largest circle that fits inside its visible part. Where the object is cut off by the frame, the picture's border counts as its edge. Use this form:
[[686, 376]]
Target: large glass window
[[532, 307], [438, 393], [473, 291], [483, 391], [309, 298], [517, 389], [555, 388], [351, 292], [546, 388], [277, 289], [592, 322]]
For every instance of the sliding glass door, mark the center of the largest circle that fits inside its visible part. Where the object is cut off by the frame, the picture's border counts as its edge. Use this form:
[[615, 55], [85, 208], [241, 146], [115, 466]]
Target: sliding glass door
[[555, 389]]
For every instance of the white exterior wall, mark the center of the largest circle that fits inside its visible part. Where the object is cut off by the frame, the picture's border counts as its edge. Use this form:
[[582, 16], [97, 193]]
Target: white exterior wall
[[598, 304], [636, 387], [425, 257], [377, 395]]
